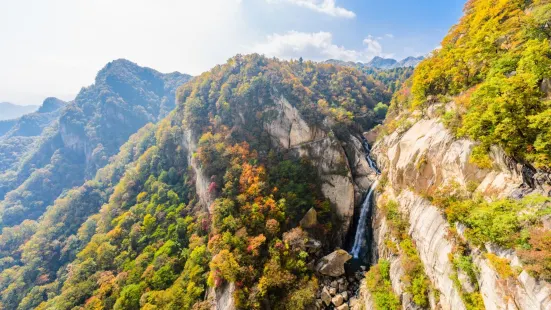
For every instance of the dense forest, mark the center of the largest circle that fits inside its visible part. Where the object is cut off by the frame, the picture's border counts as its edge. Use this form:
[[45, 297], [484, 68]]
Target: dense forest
[[166, 191], [496, 63], [153, 244], [18, 136], [489, 82], [86, 133]]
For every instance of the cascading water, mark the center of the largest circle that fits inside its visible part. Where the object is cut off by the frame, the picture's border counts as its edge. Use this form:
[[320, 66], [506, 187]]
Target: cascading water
[[360, 231], [366, 205], [370, 161]]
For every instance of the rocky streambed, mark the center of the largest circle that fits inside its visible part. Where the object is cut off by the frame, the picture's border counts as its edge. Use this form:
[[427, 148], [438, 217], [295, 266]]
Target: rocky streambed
[[338, 287]]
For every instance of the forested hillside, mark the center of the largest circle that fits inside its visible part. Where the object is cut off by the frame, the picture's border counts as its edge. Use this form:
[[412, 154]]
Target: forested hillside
[[11, 111], [18, 136], [89, 131], [392, 78], [497, 60], [245, 187], [463, 209], [207, 198]]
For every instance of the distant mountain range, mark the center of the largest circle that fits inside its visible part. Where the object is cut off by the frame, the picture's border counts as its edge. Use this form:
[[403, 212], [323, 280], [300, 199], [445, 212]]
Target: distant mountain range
[[32, 124], [17, 136], [73, 140], [11, 111], [380, 62]]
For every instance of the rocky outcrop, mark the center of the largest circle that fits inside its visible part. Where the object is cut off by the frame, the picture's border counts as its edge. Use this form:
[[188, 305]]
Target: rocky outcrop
[[546, 87], [202, 181], [289, 130], [333, 264], [362, 174], [426, 157], [310, 219], [522, 292], [222, 297], [287, 126]]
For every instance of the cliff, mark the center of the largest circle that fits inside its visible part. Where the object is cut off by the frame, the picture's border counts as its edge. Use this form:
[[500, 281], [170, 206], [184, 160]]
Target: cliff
[[419, 161]]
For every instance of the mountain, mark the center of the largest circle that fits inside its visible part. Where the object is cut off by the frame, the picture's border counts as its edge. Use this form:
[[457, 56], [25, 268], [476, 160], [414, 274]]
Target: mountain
[[32, 124], [51, 104], [409, 62], [18, 136], [6, 125], [11, 111], [382, 63], [461, 216], [295, 185], [88, 132], [207, 204], [391, 78]]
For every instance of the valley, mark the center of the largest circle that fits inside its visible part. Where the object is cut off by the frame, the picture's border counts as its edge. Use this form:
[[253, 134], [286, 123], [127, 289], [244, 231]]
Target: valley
[[268, 183]]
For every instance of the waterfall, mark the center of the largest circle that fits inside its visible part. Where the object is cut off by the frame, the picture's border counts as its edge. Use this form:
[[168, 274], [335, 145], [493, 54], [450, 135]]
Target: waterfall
[[370, 161], [360, 231]]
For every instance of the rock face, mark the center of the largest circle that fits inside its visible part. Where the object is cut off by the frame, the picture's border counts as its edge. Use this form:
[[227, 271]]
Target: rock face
[[223, 297], [290, 131], [202, 181], [310, 219], [425, 157], [333, 264]]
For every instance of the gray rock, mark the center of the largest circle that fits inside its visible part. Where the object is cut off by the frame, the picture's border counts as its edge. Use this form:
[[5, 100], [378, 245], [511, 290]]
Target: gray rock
[[310, 219], [313, 245], [337, 300], [343, 287], [333, 264], [465, 282], [343, 307], [345, 295], [325, 296]]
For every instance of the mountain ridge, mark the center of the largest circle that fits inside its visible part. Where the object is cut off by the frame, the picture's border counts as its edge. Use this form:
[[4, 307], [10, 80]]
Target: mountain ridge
[[380, 62], [11, 111], [90, 129]]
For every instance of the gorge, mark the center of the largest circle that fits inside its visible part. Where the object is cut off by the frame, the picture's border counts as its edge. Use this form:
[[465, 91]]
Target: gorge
[[274, 184]]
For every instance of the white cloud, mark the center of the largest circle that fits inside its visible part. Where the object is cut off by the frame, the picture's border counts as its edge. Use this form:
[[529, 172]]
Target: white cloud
[[328, 7], [389, 35], [316, 46], [373, 47]]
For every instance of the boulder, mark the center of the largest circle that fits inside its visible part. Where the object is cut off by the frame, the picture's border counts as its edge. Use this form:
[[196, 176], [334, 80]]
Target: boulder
[[343, 307], [313, 245], [310, 219], [343, 287], [337, 300], [333, 264], [353, 302], [345, 295], [326, 296]]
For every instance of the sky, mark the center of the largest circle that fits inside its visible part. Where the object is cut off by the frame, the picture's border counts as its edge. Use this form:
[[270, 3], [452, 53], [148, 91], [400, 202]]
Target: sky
[[56, 47]]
